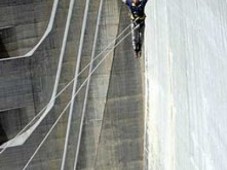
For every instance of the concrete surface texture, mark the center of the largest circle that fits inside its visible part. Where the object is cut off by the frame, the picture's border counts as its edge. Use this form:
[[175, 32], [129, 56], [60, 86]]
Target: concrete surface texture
[[27, 83], [113, 136], [183, 105], [22, 23], [186, 85], [112, 103]]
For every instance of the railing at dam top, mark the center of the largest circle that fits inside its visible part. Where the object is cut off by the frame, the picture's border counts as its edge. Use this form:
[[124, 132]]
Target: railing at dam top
[[46, 33]]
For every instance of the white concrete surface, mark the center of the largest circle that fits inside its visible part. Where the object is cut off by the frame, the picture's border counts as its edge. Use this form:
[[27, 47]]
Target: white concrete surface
[[186, 85]]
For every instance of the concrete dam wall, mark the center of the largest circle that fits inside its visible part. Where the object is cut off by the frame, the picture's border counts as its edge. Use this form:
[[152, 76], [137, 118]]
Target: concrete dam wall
[[186, 85], [103, 126], [165, 111]]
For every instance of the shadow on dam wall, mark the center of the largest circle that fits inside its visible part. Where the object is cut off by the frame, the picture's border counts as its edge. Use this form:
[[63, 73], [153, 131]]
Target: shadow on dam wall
[[5, 34], [11, 122], [3, 51], [3, 136]]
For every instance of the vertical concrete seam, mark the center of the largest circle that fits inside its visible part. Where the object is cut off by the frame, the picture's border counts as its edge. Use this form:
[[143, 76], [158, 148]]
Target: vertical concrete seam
[[107, 96], [75, 81], [88, 82]]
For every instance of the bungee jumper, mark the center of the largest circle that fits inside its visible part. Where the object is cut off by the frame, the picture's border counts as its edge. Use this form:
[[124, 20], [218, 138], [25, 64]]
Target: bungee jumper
[[136, 8]]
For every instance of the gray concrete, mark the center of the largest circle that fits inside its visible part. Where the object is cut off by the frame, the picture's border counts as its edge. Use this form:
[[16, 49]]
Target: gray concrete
[[27, 83], [186, 85], [115, 99], [113, 130], [40, 70], [98, 87], [27, 20]]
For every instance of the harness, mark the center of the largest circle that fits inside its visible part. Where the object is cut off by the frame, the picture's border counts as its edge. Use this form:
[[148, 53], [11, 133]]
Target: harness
[[137, 11]]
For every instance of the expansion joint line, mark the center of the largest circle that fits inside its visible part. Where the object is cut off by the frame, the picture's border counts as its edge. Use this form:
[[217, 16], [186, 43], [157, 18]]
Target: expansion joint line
[[82, 35], [76, 93], [88, 83]]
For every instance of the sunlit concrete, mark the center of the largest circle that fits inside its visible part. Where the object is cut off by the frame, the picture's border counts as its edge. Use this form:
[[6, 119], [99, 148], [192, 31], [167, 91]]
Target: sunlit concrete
[[186, 85]]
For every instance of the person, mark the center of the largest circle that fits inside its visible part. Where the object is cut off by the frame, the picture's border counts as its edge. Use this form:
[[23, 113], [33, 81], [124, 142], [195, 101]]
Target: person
[[136, 8]]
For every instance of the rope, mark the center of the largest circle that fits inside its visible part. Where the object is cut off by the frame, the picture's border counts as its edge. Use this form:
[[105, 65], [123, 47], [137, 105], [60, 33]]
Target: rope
[[60, 92], [88, 82], [64, 110], [78, 62]]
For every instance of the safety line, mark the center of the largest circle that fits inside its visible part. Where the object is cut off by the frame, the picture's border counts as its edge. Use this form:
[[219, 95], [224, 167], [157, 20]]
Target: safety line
[[64, 110], [60, 92], [50, 104], [82, 35], [88, 83]]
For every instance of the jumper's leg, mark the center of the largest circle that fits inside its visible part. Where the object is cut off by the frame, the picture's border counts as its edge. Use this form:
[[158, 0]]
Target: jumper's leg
[[135, 36], [141, 37]]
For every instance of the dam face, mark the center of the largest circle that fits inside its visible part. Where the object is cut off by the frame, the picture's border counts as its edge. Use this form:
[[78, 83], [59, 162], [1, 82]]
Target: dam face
[[186, 92], [44, 48], [72, 98]]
